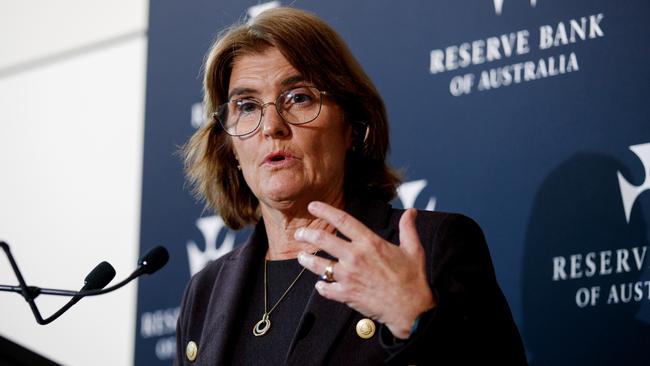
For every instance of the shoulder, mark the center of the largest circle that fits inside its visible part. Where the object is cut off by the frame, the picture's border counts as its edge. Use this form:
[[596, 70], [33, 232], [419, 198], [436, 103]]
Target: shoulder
[[448, 239], [218, 273], [204, 280], [198, 292], [453, 233], [440, 227], [450, 228], [433, 226]]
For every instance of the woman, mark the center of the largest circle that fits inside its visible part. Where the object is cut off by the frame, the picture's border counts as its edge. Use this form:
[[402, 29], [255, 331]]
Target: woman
[[296, 144]]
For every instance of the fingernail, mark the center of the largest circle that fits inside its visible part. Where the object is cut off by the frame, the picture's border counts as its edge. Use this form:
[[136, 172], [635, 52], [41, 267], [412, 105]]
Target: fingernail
[[319, 285], [301, 257], [313, 206], [298, 234]]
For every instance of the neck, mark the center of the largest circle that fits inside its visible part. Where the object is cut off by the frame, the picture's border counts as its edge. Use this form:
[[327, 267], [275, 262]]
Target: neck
[[281, 225]]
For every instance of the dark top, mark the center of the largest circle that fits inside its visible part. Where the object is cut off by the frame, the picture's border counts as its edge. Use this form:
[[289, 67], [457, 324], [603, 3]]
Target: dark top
[[472, 324], [272, 347]]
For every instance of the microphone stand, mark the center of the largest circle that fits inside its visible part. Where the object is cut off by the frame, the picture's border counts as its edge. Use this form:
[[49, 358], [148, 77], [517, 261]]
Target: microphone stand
[[151, 262], [29, 293], [33, 291]]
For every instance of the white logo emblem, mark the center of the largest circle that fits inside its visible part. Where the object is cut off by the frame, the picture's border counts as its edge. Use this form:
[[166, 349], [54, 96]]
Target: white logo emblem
[[408, 192], [498, 5], [210, 227], [629, 192]]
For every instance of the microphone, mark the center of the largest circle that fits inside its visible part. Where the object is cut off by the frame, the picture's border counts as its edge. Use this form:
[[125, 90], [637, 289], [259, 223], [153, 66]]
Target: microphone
[[154, 260], [149, 263], [98, 278], [94, 282]]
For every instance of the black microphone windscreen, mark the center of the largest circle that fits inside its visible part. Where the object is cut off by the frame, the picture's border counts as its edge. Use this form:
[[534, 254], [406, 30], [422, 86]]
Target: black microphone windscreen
[[154, 260], [100, 276]]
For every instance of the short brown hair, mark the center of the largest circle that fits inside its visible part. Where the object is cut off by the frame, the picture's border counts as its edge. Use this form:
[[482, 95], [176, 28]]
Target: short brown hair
[[315, 50]]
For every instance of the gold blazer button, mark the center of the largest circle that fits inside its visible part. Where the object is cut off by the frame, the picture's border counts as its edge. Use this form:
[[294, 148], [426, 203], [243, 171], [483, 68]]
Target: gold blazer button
[[191, 350], [365, 328]]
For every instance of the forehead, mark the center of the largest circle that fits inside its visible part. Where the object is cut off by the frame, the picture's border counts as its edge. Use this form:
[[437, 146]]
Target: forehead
[[268, 69]]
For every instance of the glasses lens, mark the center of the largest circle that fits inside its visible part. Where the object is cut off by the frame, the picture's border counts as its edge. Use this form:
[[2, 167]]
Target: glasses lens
[[296, 106], [299, 105], [239, 117]]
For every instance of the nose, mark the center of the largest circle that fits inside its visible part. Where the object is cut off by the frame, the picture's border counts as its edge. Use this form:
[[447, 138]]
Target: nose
[[273, 125]]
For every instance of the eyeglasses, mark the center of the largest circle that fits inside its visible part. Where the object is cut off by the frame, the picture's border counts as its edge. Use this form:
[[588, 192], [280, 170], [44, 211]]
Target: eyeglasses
[[296, 106]]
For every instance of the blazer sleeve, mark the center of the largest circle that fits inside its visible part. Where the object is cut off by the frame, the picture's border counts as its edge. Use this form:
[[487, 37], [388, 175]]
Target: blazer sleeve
[[193, 310], [472, 323], [181, 327]]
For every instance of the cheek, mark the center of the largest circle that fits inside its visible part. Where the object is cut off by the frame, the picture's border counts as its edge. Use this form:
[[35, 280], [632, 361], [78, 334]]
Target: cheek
[[245, 159], [332, 145], [239, 150], [329, 153], [234, 147]]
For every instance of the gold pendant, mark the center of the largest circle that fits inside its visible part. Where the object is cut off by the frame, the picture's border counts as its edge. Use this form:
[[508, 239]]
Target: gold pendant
[[262, 326]]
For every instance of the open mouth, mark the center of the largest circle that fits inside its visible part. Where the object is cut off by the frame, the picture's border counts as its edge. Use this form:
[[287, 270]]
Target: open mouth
[[278, 157]]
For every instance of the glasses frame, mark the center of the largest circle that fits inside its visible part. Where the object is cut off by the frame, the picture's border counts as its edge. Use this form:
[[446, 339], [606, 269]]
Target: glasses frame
[[275, 103]]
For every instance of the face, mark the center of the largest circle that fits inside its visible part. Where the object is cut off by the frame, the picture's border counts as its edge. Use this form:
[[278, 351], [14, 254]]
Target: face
[[287, 166]]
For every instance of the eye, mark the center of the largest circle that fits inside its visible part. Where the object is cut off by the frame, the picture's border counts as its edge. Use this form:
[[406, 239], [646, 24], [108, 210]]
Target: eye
[[246, 106], [302, 96]]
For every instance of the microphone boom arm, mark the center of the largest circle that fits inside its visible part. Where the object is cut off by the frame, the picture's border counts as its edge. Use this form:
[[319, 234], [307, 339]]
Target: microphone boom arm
[[95, 281]]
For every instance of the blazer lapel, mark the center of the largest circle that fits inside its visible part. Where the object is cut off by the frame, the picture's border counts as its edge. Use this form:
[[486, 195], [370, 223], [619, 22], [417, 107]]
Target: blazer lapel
[[323, 320], [230, 292], [319, 327]]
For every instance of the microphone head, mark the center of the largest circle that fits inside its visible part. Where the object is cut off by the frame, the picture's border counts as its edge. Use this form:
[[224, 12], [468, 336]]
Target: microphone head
[[154, 260], [99, 277]]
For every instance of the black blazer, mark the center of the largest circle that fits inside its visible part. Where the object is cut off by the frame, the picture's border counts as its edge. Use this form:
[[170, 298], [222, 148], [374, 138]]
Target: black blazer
[[472, 323]]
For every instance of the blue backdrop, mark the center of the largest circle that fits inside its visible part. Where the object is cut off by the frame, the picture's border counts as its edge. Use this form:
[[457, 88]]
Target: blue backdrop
[[532, 117]]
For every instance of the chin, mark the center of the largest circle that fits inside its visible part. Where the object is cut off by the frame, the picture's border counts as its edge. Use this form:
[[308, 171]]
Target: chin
[[282, 192]]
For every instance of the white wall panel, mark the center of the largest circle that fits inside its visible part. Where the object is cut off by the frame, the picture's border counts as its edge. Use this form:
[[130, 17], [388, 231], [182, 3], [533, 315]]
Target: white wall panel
[[71, 136], [35, 29]]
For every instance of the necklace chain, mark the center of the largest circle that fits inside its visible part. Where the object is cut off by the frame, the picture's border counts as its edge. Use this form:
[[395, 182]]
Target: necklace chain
[[263, 326]]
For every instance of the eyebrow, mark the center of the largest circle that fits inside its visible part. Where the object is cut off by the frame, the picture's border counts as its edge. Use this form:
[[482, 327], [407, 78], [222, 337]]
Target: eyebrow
[[291, 80], [240, 91], [294, 79]]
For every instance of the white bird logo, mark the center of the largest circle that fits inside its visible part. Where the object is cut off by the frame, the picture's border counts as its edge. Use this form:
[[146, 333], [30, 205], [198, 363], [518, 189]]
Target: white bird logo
[[630, 192], [498, 5]]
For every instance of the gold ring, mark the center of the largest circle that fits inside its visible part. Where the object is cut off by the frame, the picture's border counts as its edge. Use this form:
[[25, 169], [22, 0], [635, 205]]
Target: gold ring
[[329, 272]]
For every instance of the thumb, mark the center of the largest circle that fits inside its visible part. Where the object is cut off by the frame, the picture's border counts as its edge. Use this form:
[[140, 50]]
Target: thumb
[[409, 240]]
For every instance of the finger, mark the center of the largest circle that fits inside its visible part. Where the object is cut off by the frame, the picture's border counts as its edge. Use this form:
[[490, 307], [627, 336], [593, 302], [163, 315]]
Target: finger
[[314, 263], [409, 240], [341, 220], [331, 291], [325, 241]]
